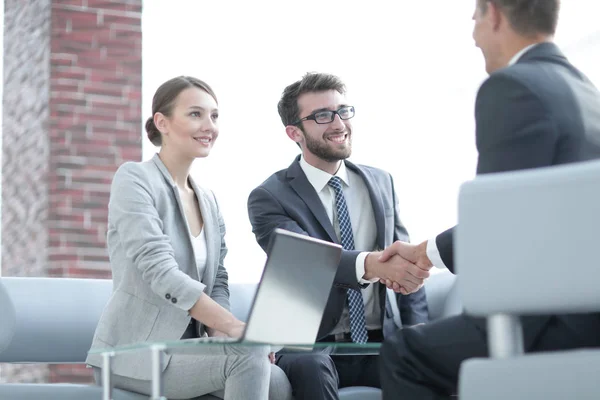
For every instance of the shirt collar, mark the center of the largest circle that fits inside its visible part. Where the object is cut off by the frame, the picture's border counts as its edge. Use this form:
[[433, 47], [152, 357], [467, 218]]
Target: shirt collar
[[319, 178], [517, 56]]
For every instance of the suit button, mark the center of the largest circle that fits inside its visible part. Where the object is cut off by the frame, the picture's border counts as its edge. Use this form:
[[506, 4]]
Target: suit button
[[174, 300], [167, 296]]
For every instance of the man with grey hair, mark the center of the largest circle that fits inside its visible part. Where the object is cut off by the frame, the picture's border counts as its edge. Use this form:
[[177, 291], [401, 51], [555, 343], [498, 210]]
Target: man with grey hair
[[535, 110]]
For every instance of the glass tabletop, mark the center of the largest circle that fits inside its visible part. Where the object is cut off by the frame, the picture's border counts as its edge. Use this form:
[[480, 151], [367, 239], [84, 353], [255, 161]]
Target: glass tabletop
[[213, 345]]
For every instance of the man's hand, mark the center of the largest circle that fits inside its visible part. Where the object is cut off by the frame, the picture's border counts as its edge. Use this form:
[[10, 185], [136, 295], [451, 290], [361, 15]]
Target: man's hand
[[417, 254], [408, 277], [414, 254]]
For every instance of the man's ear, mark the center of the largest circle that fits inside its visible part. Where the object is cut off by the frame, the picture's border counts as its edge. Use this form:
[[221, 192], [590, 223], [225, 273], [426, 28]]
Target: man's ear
[[495, 14], [294, 133], [161, 123]]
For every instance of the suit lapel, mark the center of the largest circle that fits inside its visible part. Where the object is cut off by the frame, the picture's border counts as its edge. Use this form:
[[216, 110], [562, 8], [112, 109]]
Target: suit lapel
[[211, 228], [212, 234], [300, 184], [163, 169], [376, 201], [377, 204]]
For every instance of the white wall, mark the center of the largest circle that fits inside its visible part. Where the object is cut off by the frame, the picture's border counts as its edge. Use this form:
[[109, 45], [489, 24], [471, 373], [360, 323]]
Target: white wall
[[412, 73]]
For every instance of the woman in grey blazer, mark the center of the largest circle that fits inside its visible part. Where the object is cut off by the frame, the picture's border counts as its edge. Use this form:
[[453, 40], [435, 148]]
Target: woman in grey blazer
[[166, 246]]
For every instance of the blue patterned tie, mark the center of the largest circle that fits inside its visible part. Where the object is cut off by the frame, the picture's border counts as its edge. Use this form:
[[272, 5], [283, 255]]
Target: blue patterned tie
[[356, 307]]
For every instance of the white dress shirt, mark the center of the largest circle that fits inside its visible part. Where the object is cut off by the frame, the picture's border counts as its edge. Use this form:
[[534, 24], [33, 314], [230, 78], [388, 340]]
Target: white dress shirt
[[364, 231], [517, 56], [432, 251]]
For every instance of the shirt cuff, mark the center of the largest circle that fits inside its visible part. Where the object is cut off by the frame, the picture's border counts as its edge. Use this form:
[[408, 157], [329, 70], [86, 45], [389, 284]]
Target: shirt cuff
[[360, 269], [434, 254]]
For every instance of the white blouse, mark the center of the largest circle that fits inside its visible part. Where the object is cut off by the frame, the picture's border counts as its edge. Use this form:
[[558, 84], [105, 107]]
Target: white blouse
[[199, 245]]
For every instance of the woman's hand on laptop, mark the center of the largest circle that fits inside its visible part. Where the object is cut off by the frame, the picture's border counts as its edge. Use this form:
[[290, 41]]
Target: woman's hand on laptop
[[216, 317], [215, 333], [236, 330], [272, 357]]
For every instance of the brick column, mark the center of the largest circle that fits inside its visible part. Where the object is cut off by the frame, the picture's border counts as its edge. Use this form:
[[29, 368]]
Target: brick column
[[73, 115], [95, 125]]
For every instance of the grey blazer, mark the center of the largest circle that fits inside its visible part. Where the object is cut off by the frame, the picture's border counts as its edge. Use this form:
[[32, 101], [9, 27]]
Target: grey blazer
[[148, 242]]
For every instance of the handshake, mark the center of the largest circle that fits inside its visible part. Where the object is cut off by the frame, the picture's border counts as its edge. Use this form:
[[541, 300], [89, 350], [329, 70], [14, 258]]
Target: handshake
[[402, 267]]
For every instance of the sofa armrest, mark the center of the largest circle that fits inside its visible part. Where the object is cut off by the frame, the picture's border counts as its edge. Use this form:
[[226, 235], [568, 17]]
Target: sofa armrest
[[442, 295]]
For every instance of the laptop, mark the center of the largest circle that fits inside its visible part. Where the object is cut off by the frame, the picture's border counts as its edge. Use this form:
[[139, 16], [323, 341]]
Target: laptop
[[292, 294]]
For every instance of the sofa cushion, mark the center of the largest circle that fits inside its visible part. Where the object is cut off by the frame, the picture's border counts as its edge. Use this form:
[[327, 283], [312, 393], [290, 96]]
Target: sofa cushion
[[241, 296]]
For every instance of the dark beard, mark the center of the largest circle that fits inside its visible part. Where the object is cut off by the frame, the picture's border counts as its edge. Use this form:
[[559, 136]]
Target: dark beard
[[325, 153]]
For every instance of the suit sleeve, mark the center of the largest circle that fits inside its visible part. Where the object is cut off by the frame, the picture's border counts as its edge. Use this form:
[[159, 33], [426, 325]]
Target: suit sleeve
[[413, 307], [220, 292], [266, 214], [132, 212], [445, 244], [513, 128]]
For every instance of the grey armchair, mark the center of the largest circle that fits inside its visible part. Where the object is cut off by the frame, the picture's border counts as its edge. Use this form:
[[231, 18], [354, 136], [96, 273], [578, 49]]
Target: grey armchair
[[517, 233]]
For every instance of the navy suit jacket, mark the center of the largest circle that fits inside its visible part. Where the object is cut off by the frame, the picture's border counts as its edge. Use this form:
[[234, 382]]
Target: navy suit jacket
[[288, 201], [538, 112]]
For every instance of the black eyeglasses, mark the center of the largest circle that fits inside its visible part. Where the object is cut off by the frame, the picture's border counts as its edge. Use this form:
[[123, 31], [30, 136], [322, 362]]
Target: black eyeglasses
[[327, 116]]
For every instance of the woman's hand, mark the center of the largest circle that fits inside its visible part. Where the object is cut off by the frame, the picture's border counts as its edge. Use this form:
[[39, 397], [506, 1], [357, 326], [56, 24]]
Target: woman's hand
[[236, 332], [236, 329], [215, 333], [216, 318]]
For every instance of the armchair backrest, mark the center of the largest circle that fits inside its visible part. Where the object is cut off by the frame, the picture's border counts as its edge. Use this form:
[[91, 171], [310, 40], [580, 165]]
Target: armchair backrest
[[527, 242]]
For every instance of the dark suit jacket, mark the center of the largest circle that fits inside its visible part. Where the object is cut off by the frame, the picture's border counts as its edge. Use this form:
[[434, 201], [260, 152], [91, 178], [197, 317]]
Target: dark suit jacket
[[287, 200], [539, 112]]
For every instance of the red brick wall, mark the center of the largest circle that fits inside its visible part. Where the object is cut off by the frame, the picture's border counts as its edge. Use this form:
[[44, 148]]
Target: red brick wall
[[72, 116], [95, 125]]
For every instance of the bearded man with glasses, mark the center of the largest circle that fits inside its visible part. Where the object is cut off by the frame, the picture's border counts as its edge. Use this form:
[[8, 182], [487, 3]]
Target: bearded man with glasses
[[323, 195]]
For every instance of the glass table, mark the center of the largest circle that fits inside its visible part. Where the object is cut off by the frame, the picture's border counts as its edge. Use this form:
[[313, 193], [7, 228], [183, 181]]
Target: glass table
[[207, 347]]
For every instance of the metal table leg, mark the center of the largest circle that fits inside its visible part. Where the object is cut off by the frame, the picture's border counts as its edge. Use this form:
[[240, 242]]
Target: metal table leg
[[505, 336], [157, 379], [107, 385]]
